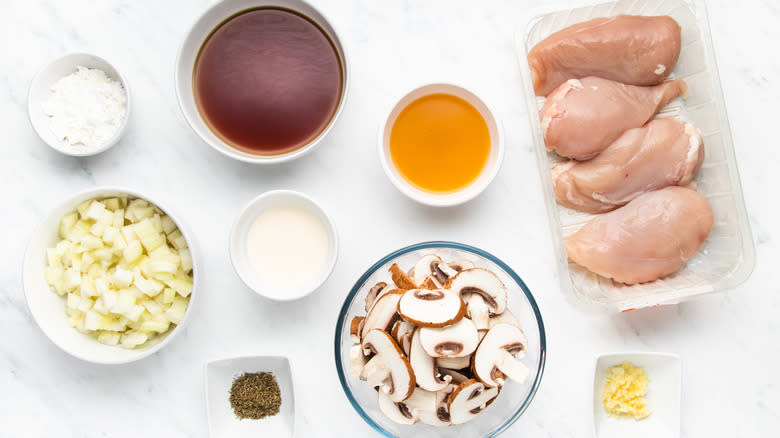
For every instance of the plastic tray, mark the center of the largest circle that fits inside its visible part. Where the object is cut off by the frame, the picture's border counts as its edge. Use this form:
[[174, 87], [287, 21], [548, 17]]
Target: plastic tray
[[726, 259]]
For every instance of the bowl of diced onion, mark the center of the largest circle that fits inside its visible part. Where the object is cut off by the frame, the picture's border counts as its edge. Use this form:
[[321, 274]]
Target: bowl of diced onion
[[110, 275]]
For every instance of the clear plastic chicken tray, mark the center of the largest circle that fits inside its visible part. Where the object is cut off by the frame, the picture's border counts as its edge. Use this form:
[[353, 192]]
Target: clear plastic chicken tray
[[726, 258]]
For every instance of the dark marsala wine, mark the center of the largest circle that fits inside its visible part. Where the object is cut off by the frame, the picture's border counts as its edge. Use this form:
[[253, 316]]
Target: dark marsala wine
[[267, 81]]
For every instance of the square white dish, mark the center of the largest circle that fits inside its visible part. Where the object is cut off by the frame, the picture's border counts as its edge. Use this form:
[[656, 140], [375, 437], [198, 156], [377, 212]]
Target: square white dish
[[727, 258], [223, 422], [663, 397]]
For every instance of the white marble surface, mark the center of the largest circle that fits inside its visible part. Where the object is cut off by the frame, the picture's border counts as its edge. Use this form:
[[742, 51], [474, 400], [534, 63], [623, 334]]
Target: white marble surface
[[728, 342]]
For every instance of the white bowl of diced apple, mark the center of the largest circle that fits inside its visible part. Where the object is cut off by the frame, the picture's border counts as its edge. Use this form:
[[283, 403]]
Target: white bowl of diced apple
[[110, 275]]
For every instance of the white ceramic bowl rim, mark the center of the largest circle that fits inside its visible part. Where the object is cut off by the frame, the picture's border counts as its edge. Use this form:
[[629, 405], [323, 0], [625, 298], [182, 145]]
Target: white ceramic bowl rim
[[140, 353], [489, 172], [112, 72], [189, 107], [439, 244], [237, 237]]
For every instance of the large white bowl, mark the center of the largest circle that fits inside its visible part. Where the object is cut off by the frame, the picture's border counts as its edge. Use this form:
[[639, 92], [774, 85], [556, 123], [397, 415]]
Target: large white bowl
[[188, 54], [489, 172], [48, 309], [39, 92]]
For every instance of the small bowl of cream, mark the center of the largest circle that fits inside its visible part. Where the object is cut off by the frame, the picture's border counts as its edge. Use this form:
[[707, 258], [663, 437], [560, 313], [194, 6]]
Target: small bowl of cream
[[283, 245], [79, 104]]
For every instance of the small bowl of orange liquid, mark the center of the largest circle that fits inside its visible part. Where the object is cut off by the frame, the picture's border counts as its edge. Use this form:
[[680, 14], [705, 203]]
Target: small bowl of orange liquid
[[441, 145]]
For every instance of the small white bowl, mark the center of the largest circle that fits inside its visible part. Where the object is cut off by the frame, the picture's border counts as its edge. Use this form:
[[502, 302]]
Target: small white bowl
[[469, 192], [663, 397], [48, 309], [221, 418], [238, 250], [40, 89], [188, 54]]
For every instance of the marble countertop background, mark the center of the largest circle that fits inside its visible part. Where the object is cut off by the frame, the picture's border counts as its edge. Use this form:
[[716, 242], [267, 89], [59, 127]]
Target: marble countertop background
[[729, 342]]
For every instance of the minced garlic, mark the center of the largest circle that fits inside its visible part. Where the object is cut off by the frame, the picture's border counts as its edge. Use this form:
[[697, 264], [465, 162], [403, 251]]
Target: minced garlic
[[624, 391]]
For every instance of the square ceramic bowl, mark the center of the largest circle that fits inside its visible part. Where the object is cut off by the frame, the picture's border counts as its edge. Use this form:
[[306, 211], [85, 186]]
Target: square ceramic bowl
[[48, 309], [40, 90], [663, 397], [212, 18], [223, 422], [727, 257], [493, 165]]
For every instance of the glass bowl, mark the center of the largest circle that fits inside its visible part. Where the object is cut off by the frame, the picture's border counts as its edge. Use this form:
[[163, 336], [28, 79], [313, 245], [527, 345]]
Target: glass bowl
[[513, 399]]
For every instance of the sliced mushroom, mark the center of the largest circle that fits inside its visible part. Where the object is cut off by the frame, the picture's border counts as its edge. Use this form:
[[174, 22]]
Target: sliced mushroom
[[432, 267], [373, 294], [425, 406], [400, 278], [461, 265], [483, 282], [396, 412], [431, 308], [383, 313], [468, 400], [505, 317], [496, 354], [356, 360], [354, 328], [426, 373], [429, 283], [456, 377], [389, 369], [457, 340], [454, 363], [478, 311], [402, 333]]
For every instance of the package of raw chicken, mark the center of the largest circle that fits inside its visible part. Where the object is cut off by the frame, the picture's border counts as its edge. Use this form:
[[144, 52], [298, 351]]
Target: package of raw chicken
[[727, 256]]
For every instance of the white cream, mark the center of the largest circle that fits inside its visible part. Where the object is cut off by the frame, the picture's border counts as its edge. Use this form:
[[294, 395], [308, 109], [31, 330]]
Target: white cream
[[287, 246]]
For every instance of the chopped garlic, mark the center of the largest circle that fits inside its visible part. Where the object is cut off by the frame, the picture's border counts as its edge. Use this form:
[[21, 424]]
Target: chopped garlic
[[624, 391]]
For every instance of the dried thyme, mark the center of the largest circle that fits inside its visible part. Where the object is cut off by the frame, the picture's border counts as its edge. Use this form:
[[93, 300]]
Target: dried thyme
[[255, 396]]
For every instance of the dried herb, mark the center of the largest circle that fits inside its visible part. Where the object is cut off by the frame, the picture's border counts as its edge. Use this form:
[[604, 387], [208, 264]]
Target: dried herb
[[255, 396]]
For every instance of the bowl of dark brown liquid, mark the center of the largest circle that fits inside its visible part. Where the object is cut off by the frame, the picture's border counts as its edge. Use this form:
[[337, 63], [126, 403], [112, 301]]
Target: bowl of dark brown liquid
[[262, 81]]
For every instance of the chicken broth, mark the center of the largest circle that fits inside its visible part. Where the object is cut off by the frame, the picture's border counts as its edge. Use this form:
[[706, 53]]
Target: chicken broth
[[267, 81], [440, 143]]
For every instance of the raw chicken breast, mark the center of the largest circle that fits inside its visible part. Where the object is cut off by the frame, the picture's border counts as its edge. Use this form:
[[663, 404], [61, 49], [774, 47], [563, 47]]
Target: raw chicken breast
[[665, 152], [649, 238], [584, 116], [632, 49]]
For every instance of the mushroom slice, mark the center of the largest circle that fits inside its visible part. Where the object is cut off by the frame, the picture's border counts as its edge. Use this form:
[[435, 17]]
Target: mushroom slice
[[454, 363], [456, 377], [383, 313], [483, 282], [468, 400], [457, 340], [424, 406], [389, 369], [429, 283], [402, 333], [431, 266], [426, 373], [357, 361], [478, 311], [495, 355], [505, 317], [400, 278], [460, 265], [373, 294], [396, 412], [431, 308], [354, 328]]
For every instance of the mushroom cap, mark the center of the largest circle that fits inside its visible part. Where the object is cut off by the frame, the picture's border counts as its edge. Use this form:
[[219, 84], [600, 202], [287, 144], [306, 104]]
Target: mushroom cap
[[401, 378], [457, 340], [468, 400], [431, 308], [374, 293], [505, 317], [354, 328], [432, 267], [483, 282], [396, 412], [425, 372], [461, 265], [400, 278], [494, 355], [383, 313], [402, 333]]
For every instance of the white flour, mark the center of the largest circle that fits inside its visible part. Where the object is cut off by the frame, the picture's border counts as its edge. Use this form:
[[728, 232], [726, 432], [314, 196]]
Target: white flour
[[86, 108]]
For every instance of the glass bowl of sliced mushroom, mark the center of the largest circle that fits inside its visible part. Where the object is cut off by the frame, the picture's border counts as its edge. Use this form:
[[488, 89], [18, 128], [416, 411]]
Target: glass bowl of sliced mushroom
[[440, 338]]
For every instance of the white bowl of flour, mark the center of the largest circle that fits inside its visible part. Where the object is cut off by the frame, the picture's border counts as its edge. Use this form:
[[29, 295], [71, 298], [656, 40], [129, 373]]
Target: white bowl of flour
[[79, 104]]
